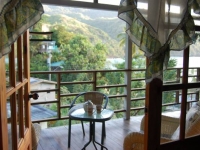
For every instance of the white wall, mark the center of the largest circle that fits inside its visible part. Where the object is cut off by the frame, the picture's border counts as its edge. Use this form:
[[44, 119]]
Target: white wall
[[44, 96]]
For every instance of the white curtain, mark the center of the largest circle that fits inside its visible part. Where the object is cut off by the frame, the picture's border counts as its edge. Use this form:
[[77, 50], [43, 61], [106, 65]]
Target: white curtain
[[16, 16], [158, 26]]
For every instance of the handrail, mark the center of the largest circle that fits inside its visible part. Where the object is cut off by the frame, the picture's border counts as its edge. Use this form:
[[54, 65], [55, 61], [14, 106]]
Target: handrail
[[118, 97]]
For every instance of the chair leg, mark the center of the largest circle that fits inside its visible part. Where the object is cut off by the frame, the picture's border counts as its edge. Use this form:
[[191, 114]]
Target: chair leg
[[69, 133], [83, 128]]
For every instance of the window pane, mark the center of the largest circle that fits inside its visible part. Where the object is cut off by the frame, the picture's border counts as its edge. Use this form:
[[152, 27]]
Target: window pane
[[7, 71], [194, 61], [111, 2], [9, 123]]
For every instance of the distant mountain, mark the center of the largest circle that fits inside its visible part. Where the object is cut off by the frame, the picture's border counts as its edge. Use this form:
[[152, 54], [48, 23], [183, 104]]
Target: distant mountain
[[78, 12], [98, 26], [95, 35], [107, 21]]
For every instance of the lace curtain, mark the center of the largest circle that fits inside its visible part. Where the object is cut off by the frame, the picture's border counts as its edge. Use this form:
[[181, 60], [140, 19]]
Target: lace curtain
[[159, 26], [15, 18]]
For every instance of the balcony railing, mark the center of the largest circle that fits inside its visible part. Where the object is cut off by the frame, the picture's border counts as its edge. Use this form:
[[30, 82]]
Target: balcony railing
[[94, 80]]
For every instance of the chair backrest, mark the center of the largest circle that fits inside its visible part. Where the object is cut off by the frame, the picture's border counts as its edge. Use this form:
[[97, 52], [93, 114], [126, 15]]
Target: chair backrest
[[194, 129], [97, 98], [133, 141], [36, 131], [192, 124]]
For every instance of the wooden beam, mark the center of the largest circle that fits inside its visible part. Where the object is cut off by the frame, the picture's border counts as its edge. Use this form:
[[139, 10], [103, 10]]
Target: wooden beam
[[186, 144], [87, 5], [184, 93], [3, 114], [153, 115]]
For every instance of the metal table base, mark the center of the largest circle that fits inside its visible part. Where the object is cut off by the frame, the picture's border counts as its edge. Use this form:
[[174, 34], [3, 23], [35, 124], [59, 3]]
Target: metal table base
[[92, 137]]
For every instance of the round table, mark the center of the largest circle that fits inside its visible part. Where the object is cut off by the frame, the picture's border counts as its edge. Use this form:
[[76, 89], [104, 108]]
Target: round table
[[105, 115]]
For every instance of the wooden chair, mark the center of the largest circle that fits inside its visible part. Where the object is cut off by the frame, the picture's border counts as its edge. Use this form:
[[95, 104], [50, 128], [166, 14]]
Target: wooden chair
[[36, 130], [35, 134]]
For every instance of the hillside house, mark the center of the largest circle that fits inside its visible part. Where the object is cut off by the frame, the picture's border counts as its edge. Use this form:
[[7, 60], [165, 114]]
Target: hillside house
[[40, 84]]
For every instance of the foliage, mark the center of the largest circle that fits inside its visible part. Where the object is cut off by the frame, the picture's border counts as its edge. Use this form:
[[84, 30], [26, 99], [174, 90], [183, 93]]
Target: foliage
[[169, 75], [38, 63], [61, 35], [80, 54], [75, 27]]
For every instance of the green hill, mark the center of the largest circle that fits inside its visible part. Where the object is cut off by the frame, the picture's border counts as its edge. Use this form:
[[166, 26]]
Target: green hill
[[94, 34]]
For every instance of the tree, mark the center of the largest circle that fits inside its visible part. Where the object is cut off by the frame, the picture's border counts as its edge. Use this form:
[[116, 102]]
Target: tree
[[39, 63], [80, 54], [61, 35]]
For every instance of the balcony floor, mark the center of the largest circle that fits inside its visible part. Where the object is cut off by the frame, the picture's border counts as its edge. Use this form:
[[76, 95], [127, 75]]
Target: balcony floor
[[56, 138]]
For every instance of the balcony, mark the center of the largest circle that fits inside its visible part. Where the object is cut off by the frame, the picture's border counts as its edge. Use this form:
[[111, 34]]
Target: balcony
[[118, 100], [116, 130], [124, 120]]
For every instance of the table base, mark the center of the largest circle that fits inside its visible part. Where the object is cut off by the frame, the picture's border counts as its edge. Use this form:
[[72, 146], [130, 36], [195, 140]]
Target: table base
[[92, 137]]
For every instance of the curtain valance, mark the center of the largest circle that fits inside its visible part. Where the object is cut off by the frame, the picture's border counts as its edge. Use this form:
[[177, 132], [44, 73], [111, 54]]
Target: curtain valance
[[159, 26], [15, 18]]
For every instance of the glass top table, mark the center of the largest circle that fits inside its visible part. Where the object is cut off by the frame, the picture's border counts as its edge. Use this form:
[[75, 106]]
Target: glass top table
[[80, 114], [105, 115]]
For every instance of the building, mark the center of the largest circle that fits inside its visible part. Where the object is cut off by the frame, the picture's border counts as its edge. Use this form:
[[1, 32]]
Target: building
[[42, 111], [40, 84]]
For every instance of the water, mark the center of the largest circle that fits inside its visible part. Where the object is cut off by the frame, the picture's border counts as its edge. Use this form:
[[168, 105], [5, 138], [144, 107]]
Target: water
[[193, 61]]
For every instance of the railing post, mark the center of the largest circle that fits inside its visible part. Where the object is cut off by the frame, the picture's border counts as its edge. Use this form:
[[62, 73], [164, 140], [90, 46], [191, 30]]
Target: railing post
[[58, 94], [94, 80], [198, 79], [198, 74], [178, 75], [128, 65]]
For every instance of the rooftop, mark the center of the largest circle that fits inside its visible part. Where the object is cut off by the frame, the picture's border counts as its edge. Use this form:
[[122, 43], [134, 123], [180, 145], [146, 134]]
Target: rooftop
[[40, 112]]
